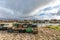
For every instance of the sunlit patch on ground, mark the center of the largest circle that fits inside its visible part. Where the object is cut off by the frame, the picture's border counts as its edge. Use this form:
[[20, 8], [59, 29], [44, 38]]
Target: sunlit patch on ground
[[55, 27]]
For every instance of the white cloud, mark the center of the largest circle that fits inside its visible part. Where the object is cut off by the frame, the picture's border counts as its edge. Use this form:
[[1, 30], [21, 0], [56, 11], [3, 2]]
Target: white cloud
[[52, 8], [23, 8]]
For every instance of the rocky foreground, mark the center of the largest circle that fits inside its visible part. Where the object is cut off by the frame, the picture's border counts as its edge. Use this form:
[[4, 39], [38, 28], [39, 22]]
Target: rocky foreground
[[44, 34]]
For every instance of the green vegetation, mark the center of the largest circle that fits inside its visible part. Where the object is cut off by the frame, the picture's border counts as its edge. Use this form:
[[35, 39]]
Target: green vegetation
[[54, 27], [29, 30]]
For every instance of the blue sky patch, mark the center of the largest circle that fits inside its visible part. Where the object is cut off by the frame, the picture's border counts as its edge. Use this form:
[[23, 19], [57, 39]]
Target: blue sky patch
[[48, 8]]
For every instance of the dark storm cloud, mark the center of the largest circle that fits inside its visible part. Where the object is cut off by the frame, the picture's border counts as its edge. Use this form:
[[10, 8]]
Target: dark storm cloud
[[21, 7], [25, 6]]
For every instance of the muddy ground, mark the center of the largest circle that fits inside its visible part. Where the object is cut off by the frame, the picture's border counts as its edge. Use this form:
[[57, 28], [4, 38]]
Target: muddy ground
[[43, 34]]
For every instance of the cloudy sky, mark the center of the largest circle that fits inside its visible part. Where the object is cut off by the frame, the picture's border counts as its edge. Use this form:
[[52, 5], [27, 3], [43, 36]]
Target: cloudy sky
[[30, 9]]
